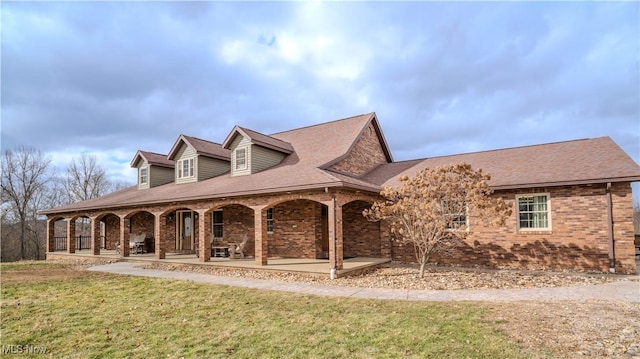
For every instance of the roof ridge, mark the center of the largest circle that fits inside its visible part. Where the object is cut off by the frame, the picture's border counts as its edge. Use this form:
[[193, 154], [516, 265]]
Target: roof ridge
[[512, 148], [201, 139], [153, 153], [322, 123]]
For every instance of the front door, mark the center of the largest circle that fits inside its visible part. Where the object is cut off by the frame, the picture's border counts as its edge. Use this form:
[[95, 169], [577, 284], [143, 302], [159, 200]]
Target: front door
[[185, 230]]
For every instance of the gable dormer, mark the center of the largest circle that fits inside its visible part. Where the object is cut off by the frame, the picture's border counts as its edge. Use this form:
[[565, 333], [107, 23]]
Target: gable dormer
[[368, 151], [197, 159], [153, 169], [253, 152]]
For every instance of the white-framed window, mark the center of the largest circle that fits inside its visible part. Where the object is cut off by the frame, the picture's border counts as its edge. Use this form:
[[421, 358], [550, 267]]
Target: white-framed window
[[269, 220], [241, 158], [185, 168], [217, 224], [458, 215], [534, 211], [460, 221], [144, 175]]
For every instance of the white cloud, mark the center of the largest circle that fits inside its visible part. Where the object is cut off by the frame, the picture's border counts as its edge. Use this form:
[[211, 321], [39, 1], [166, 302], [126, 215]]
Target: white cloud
[[462, 76]]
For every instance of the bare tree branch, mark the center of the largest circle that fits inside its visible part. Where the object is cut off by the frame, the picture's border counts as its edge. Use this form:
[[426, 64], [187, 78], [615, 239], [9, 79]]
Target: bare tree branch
[[431, 210], [24, 178], [85, 179]]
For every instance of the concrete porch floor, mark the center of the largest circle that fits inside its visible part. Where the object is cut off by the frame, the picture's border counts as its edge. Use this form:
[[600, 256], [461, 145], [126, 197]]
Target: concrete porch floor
[[352, 266]]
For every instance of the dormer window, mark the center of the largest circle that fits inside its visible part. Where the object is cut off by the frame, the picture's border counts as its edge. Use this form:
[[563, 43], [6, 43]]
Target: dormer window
[[144, 176], [185, 168], [241, 158]]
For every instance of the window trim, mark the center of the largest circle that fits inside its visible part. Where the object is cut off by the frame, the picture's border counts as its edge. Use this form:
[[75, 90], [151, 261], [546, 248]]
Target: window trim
[[245, 158], [270, 221], [191, 163], [214, 224], [549, 226], [146, 175], [466, 219]]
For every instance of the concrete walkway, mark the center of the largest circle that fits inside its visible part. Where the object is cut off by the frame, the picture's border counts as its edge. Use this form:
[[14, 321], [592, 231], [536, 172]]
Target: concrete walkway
[[626, 291]]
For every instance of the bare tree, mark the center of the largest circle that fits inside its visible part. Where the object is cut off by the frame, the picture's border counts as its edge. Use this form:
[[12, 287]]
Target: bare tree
[[25, 173], [431, 210], [86, 179]]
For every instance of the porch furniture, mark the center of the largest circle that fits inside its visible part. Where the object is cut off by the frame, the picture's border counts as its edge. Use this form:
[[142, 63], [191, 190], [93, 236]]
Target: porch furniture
[[237, 249], [219, 251], [136, 243]]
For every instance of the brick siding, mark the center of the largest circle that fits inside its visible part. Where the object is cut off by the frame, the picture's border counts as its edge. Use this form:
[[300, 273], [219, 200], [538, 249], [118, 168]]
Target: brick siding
[[578, 238], [366, 154], [361, 236]]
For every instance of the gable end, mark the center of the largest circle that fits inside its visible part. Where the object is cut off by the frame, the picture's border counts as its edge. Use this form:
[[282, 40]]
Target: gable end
[[367, 152]]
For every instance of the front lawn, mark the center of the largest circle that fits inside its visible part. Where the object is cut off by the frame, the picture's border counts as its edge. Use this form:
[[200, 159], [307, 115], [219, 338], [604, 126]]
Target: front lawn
[[78, 314]]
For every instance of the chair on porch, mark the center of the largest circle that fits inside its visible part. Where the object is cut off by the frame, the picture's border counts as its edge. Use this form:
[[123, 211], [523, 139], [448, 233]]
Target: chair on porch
[[136, 243], [237, 249]]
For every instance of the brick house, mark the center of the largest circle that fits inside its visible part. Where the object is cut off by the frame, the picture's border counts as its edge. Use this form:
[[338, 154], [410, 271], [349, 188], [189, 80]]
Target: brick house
[[301, 194]]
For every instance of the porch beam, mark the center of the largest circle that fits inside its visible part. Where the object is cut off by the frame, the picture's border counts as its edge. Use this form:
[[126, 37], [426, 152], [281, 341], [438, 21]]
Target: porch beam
[[159, 224], [95, 236], [204, 236], [336, 253], [124, 236], [71, 235], [51, 234], [260, 235]]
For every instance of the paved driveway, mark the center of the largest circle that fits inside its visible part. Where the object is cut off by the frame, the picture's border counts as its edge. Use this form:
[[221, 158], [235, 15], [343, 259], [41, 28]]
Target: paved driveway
[[627, 291]]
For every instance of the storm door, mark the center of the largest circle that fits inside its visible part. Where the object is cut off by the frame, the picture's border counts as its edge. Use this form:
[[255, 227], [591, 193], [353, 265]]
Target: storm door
[[185, 230]]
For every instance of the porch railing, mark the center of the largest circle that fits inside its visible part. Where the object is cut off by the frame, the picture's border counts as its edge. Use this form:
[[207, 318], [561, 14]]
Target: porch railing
[[82, 242]]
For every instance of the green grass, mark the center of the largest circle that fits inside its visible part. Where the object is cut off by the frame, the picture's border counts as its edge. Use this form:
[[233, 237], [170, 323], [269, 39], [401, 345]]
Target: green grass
[[78, 314]]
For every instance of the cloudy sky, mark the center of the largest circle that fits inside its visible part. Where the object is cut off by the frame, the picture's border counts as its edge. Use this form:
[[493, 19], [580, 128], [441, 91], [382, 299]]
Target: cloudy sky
[[110, 78]]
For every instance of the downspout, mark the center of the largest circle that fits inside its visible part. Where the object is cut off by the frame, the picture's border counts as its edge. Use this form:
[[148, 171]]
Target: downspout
[[612, 254]]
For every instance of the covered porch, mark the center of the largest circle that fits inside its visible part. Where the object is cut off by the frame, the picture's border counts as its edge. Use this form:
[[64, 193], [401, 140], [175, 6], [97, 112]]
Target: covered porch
[[323, 229], [305, 266]]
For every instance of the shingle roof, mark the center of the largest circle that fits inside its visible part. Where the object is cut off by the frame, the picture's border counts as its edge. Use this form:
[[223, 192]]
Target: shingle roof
[[259, 139], [314, 146], [202, 147], [152, 158], [595, 160]]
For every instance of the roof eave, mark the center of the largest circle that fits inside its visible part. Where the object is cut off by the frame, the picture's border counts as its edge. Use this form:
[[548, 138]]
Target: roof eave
[[165, 165], [176, 146], [567, 183], [231, 136], [275, 190], [283, 150], [213, 155]]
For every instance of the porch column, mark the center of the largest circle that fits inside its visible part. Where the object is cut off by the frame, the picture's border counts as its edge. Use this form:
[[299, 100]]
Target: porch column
[[159, 226], [336, 254], [260, 233], [125, 225], [204, 236], [95, 236], [51, 235], [71, 235]]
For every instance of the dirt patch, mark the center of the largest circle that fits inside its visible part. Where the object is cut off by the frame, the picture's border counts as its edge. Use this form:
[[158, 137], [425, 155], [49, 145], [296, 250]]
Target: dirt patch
[[30, 271], [572, 329]]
